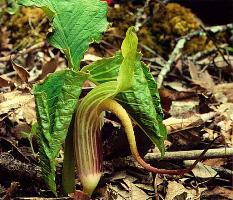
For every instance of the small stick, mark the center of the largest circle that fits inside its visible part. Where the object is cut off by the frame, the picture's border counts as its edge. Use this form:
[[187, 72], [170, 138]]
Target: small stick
[[213, 29], [139, 14], [24, 51], [180, 45], [191, 155], [173, 57], [216, 46]]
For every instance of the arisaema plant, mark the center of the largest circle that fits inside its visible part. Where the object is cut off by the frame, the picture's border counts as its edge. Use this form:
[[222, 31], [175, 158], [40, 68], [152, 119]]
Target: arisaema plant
[[124, 86]]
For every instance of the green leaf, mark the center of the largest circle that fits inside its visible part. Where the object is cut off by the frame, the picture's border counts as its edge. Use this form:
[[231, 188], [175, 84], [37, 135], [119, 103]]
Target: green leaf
[[142, 101], [13, 7], [105, 69], [56, 99], [129, 52], [76, 24]]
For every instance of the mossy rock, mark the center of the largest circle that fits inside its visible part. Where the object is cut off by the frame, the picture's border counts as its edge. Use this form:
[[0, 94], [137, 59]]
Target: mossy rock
[[165, 24]]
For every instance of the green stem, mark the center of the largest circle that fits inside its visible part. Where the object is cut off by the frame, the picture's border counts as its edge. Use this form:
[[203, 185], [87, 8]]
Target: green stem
[[114, 107], [68, 170]]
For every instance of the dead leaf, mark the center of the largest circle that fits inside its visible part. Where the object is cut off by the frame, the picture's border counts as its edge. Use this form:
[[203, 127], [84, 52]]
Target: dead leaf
[[21, 71], [226, 124], [201, 170], [49, 67], [214, 162], [209, 134], [13, 100], [177, 191], [135, 192], [91, 57], [127, 190], [221, 63], [167, 96], [178, 86], [218, 191], [226, 129], [18, 106], [184, 108], [77, 195], [119, 176], [5, 81], [26, 112], [145, 187], [201, 78], [175, 124], [223, 92]]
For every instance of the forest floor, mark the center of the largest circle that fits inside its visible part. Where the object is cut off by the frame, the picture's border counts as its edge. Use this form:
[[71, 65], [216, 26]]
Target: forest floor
[[193, 66]]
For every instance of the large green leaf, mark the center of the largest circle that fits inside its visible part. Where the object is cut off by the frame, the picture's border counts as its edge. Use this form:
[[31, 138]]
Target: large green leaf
[[141, 101], [56, 99], [76, 24]]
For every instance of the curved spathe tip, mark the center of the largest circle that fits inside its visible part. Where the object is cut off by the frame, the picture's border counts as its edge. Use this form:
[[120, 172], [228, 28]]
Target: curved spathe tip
[[90, 182]]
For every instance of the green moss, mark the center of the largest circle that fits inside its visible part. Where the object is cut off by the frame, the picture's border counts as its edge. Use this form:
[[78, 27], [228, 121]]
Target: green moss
[[165, 24], [26, 27]]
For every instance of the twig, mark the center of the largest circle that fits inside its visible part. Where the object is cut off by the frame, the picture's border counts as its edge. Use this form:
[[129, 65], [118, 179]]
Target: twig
[[191, 155], [156, 187], [203, 54], [173, 57], [223, 172], [139, 15], [157, 56], [213, 29], [24, 51], [180, 44], [216, 46]]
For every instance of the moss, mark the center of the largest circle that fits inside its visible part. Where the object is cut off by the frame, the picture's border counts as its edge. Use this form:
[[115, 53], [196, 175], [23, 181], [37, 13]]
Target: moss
[[174, 21], [26, 27], [121, 18], [165, 24]]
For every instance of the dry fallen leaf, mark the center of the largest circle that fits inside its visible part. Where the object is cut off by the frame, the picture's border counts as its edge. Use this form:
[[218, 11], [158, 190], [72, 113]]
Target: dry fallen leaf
[[21, 71], [201, 78], [91, 57], [5, 81], [223, 92], [184, 108], [218, 192], [215, 162], [201, 170], [175, 124], [49, 67], [226, 124], [135, 192], [5, 39], [127, 190], [18, 105], [177, 191], [221, 63]]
